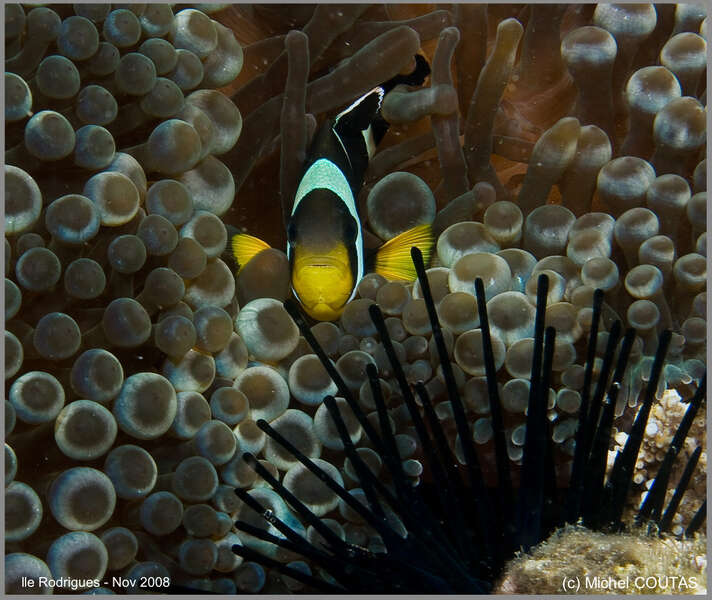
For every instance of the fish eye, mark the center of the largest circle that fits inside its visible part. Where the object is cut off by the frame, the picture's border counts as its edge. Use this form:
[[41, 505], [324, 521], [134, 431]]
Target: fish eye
[[291, 232], [351, 229]]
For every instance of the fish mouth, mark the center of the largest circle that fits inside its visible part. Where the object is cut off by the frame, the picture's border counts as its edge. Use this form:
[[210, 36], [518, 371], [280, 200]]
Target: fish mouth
[[322, 262], [324, 312]]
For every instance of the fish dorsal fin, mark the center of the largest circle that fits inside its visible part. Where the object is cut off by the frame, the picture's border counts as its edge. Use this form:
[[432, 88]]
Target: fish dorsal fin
[[356, 120], [360, 113], [245, 247], [393, 259]]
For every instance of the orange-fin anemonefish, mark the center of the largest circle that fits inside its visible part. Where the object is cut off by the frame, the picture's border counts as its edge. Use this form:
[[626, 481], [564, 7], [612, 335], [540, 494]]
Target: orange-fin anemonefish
[[325, 235]]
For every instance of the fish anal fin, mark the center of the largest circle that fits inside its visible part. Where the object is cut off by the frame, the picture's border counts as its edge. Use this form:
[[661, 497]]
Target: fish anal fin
[[245, 247], [393, 259]]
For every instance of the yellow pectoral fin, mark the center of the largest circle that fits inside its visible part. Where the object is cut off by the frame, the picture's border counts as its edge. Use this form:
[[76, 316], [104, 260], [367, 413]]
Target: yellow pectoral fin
[[245, 247], [393, 259]]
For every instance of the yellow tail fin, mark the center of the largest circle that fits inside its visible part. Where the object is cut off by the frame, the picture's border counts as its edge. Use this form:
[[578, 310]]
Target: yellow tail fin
[[245, 247], [393, 259]]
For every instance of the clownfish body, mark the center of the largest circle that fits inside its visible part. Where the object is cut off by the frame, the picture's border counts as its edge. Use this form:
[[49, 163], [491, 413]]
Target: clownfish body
[[325, 244]]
